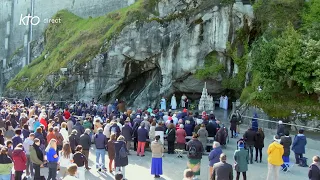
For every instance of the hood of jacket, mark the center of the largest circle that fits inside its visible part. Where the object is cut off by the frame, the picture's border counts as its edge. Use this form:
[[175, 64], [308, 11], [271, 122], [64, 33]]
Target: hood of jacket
[[277, 145], [16, 151], [301, 136]]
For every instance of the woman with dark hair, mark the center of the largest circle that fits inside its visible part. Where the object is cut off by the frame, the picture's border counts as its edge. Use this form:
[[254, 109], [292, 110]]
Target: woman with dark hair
[[38, 134], [259, 144], [171, 138], [81, 161], [9, 131], [65, 159], [25, 131], [111, 151], [157, 151], [1, 138]]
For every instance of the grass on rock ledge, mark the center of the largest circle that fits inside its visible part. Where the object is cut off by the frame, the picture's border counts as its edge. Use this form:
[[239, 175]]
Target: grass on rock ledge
[[76, 40]]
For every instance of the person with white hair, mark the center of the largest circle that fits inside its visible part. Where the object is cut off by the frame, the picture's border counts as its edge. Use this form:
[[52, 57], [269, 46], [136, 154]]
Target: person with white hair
[[214, 156], [280, 129], [146, 123], [181, 137], [119, 124], [85, 142], [175, 119]]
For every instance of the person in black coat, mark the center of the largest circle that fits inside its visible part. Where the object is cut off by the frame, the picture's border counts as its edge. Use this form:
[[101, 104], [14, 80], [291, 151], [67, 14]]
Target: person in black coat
[[120, 161], [127, 133], [286, 141], [259, 143], [74, 140], [233, 125], [79, 128], [249, 137], [85, 142], [280, 130], [171, 138], [135, 135]]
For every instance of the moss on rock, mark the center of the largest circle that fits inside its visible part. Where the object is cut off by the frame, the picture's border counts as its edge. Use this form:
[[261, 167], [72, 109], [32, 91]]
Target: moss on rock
[[76, 40]]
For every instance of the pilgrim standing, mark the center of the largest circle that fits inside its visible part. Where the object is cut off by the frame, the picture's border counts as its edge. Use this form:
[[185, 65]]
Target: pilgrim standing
[[183, 101], [225, 103], [173, 102], [163, 104], [157, 151], [221, 102]]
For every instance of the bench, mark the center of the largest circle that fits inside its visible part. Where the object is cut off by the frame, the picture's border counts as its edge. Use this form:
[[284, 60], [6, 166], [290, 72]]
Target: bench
[[209, 140]]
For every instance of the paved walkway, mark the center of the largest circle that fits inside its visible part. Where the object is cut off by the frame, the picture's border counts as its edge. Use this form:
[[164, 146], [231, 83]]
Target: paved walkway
[[138, 168]]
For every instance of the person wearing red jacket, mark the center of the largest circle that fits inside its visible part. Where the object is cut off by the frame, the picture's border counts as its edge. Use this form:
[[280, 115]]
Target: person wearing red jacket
[[20, 160], [66, 114], [43, 121], [51, 135]]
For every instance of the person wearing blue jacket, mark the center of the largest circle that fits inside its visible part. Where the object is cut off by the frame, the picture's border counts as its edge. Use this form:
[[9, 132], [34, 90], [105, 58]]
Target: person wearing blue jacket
[[214, 156], [52, 158], [36, 124], [188, 127], [299, 145]]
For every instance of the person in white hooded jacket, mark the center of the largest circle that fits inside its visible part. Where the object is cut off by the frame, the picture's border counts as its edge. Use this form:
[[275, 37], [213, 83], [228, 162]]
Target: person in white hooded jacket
[[64, 131]]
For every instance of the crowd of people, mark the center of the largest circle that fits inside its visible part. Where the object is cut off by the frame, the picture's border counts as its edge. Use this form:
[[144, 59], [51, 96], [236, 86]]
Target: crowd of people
[[59, 137]]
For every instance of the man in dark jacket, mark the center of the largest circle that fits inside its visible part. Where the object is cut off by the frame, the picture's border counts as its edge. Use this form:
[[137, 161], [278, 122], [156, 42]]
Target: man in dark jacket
[[195, 150], [280, 130], [222, 170], [249, 137], [74, 140], [299, 145], [286, 141], [16, 139], [137, 120], [85, 142], [142, 139], [100, 141], [114, 128], [233, 125], [127, 134], [79, 128]]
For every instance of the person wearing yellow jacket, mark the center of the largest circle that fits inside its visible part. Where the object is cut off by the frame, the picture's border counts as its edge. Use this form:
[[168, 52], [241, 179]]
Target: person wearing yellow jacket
[[275, 152]]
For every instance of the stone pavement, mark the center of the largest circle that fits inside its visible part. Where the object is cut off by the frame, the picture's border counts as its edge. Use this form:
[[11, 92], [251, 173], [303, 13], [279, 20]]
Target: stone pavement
[[173, 167]]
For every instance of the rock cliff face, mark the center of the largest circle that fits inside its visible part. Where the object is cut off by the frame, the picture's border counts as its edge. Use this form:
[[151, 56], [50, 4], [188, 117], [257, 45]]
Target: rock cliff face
[[159, 57]]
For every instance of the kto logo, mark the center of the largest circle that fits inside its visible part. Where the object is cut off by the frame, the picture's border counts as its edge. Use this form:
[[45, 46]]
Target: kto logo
[[26, 20]]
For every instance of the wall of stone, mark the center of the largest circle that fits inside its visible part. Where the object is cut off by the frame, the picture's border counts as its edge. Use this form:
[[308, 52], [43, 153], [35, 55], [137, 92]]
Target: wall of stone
[[45, 10], [5, 14], [14, 35]]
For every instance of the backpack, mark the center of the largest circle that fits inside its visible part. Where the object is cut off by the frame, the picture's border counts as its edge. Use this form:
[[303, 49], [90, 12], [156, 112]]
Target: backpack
[[114, 130], [303, 162], [192, 151], [123, 152]]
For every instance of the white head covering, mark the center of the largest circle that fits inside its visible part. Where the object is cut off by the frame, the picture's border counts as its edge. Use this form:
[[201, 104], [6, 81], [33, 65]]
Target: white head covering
[[280, 122]]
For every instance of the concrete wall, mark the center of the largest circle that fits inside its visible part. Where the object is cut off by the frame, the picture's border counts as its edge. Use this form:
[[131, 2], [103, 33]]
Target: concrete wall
[[12, 9]]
